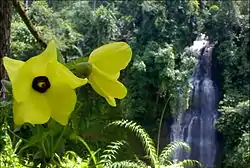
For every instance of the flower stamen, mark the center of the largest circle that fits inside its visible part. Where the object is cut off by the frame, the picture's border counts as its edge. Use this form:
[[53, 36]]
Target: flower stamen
[[41, 84]]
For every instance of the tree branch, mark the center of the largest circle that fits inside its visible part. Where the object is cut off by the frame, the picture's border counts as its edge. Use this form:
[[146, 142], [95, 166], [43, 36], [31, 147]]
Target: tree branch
[[18, 6]]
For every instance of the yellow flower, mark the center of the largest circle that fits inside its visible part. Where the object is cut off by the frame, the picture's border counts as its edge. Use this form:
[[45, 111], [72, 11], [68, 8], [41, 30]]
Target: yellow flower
[[106, 62], [42, 88]]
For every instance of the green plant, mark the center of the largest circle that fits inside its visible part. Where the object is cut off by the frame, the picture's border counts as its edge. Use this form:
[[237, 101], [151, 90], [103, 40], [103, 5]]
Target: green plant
[[8, 157], [156, 161], [236, 150]]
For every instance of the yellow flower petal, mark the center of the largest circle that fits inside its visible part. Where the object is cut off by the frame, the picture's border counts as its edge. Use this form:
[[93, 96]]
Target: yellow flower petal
[[38, 64], [111, 101], [111, 58], [12, 67], [61, 99], [17, 115], [34, 110], [49, 54], [59, 73], [106, 86], [22, 84], [35, 66]]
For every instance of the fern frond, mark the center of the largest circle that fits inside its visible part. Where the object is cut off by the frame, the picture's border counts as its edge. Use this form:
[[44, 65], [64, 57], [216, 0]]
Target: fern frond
[[168, 151], [141, 163], [110, 153], [127, 164], [71, 159], [79, 50], [142, 135], [190, 163], [171, 166]]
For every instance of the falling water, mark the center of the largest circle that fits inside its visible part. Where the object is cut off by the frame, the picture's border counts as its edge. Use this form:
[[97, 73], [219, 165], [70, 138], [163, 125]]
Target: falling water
[[196, 124]]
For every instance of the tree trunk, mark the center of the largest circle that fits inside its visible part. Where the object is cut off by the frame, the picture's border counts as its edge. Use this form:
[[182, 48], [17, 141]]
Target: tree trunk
[[5, 21]]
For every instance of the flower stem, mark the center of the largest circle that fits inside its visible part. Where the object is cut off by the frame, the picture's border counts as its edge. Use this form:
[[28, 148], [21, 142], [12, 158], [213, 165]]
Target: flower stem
[[17, 135], [58, 141], [159, 130], [87, 147]]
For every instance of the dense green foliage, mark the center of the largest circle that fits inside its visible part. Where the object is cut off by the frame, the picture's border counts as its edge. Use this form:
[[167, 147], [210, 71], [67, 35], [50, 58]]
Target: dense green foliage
[[234, 125], [158, 32], [8, 158]]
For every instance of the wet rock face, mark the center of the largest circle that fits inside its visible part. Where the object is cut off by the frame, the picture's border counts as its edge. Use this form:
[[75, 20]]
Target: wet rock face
[[196, 125]]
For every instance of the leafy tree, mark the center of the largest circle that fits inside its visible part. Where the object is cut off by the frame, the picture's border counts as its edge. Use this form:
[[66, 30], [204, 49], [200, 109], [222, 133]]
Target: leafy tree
[[228, 24], [50, 25], [236, 137]]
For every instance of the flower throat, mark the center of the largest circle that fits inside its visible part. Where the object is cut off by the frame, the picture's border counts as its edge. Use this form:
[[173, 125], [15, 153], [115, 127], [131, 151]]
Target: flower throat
[[41, 84]]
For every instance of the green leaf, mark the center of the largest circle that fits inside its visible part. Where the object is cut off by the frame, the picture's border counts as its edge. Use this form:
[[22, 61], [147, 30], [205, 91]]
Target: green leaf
[[7, 86]]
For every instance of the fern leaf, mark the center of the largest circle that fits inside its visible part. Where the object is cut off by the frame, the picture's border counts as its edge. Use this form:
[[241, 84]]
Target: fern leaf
[[168, 151], [127, 164], [190, 163], [79, 50], [142, 135], [141, 163], [110, 153]]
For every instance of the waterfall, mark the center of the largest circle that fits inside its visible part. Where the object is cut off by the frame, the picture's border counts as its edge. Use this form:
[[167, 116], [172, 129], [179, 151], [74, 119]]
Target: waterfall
[[195, 125]]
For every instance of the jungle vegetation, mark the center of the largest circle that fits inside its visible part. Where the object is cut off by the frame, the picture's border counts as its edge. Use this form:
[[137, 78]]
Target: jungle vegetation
[[158, 32]]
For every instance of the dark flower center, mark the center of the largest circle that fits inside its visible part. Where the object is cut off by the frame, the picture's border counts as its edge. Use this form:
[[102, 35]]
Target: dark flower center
[[41, 84]]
